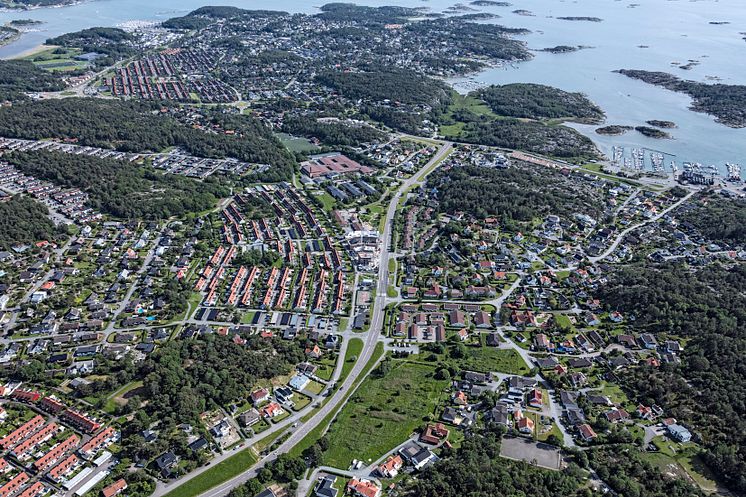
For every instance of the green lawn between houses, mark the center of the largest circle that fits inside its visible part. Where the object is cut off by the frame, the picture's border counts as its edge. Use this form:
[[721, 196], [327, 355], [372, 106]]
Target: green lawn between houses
[[383, 413]]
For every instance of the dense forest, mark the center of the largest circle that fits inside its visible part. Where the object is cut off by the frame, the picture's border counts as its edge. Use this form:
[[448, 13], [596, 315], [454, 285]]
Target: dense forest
[[707, 391], [23, 220], [342, 11], [119, 188], [476, 470], [19, 76], [558, 141], [395, 85], [512, 195], [133, 126], [184, 378], [536, 101], [726, 102], [331, 133], [719, 219]]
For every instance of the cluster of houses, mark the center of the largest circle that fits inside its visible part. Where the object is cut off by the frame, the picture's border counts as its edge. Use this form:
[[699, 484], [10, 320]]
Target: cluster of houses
[[430, 321], [64, 450]]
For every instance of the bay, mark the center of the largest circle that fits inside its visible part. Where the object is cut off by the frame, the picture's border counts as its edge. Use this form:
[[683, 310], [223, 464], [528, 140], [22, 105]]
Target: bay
[[672, 31]]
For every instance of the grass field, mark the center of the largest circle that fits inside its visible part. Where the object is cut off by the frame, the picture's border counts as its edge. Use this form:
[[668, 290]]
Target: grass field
[[383, 413], [313, 435], [216, 475], [464, 103], [353, 350], [296, 144], [488, 359]]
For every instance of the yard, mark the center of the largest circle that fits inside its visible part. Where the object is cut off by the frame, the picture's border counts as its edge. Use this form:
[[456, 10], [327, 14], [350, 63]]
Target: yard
[[383, 413]]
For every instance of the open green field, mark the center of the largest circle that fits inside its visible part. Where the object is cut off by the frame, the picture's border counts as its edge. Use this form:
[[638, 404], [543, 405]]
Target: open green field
[[354, 348], [64, 60], [216, 475], [383, 413], [464, 103], [313, 435], [296, 144], [490, 359]]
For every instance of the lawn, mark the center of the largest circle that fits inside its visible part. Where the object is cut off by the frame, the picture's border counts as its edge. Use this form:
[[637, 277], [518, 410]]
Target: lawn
[[327, 201], [383, 413], [216, 475], [354, 348], [490, 359]]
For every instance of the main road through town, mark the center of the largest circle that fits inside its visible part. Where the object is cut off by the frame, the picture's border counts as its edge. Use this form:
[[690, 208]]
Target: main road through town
[[370, 339]]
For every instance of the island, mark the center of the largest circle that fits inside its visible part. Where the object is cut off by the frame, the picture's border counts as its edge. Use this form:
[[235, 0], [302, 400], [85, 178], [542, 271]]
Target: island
[[613, 130], [661, 124], [580, 18], [560, 49], [652, 132], [726, 102], [490, 3]]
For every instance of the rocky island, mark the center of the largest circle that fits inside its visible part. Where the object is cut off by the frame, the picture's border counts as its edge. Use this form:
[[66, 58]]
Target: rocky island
[[613, 130], [652, 132], [661, 124]]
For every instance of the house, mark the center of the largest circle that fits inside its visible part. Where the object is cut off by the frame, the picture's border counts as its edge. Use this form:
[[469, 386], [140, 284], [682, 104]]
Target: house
[[542, 342], [586, 432], [115, 488], [578, 379], [648, 341], [166, 462], [616, 415], [249, 418], [644, 412], [299, 382], [418, 456], [198, 444], [535, 398], [474, 377], [391, 466], [525, 425], [498, 415], [272, 410], [453, 416], [482, 320], [363, 488], [627, 340], [434, 433], [679, 433], [259, 396], [457, 319], [325, 487], [460, 398]]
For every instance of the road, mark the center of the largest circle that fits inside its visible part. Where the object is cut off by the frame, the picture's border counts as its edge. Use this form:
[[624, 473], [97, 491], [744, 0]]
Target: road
[[624, 233], [370, 339]]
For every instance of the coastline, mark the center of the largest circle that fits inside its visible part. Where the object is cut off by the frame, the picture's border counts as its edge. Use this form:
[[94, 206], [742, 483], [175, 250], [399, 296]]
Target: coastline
[[33, 51]]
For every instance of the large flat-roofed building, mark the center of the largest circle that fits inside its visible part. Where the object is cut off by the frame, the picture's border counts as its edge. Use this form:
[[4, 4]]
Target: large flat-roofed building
[[332, 164]]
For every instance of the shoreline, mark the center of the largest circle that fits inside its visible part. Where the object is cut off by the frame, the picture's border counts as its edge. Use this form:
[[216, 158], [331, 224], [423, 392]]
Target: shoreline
[[32, 51]]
